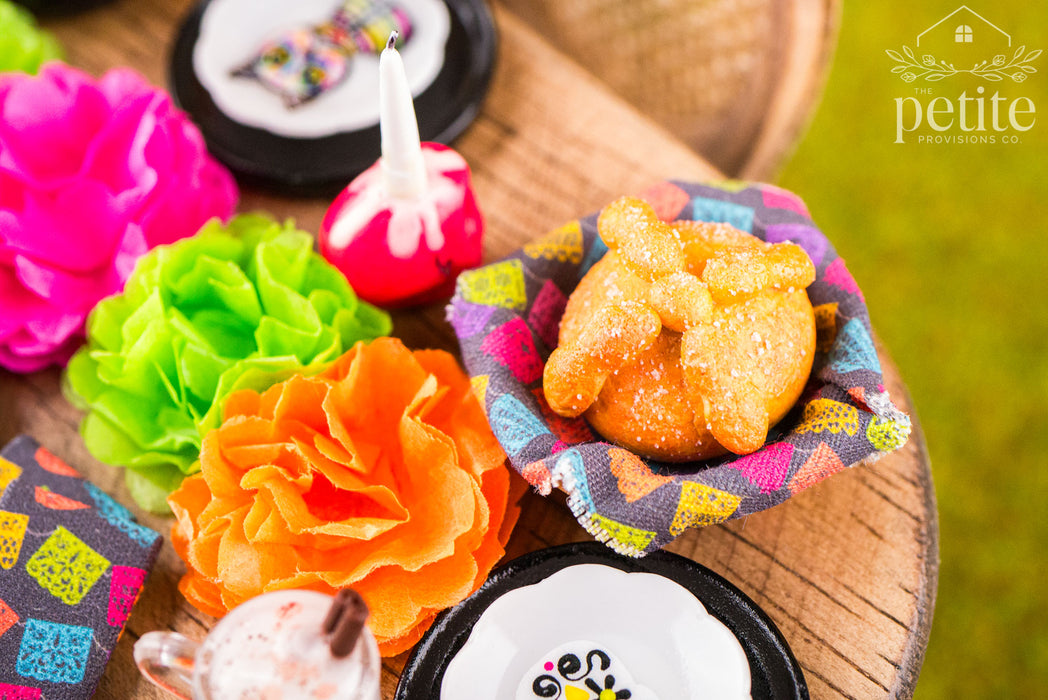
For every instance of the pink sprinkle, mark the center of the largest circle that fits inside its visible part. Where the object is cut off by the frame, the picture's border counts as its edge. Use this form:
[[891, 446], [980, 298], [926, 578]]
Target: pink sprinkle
[[548, 666]]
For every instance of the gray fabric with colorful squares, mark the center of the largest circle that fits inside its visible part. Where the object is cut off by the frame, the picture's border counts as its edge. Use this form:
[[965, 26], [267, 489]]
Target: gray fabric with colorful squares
[[507, 314], [72, 564]]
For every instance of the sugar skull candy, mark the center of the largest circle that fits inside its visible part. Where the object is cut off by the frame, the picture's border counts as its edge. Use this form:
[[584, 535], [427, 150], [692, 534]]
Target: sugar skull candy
[[302, 63], [687, 339]]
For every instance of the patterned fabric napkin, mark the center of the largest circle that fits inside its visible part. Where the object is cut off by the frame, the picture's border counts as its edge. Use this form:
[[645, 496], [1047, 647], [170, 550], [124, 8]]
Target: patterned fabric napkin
[[507, 316], [72, 563]]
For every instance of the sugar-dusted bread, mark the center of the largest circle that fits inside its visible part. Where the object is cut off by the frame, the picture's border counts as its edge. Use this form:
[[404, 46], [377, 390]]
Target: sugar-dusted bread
[[686, 340]]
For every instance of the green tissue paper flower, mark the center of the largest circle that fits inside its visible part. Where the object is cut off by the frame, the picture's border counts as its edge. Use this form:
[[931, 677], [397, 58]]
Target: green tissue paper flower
[[23, 46], [241, 307]]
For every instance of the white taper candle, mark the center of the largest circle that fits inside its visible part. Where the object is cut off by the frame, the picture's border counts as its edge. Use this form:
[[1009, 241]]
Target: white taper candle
[[402, 164]]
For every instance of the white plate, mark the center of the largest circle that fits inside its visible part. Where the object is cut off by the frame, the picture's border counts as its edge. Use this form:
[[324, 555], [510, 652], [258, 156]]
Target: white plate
[[658, 630]]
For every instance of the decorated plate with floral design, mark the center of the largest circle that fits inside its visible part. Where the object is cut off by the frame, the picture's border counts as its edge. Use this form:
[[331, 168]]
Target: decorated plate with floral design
[[578, 622], [315, 143]]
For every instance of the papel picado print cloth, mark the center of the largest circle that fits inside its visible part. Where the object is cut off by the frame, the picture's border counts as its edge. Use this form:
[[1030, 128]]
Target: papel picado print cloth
[[72, 565], [506, 316]]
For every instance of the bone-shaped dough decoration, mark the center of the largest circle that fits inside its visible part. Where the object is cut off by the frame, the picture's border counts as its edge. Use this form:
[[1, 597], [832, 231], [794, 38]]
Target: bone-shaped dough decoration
[[687, 339]]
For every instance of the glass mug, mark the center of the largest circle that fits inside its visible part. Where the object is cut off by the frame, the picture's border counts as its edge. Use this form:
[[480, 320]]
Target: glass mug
[[285, 644]]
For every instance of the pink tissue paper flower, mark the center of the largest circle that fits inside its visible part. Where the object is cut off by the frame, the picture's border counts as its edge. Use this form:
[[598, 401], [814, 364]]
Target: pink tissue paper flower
[[93, 174]]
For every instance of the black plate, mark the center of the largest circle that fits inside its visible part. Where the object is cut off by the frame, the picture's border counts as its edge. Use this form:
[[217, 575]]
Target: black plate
[[49, 8], [774, 671], [321, 166]]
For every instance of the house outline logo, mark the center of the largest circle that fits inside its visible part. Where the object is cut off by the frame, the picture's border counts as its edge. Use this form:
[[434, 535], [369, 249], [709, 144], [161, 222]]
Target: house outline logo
[[969, 33], [996, 68]]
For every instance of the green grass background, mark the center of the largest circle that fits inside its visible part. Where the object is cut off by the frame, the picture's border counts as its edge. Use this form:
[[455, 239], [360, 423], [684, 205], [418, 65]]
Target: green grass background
[[950, 245]]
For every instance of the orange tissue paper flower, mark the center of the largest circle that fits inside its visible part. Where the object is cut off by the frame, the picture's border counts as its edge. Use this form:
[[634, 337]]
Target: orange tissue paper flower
[[380, 473]]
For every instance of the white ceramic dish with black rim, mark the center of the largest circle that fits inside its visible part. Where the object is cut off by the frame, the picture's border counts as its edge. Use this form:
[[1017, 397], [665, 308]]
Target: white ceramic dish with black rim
[[325, 162], [773, 671]]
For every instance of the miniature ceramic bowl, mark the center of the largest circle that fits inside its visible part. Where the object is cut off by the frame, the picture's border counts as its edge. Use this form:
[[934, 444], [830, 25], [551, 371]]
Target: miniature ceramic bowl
[[578, 618]]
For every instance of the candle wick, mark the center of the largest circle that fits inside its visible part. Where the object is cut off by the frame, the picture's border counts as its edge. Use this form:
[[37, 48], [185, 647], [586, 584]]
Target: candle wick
[[391, 42]]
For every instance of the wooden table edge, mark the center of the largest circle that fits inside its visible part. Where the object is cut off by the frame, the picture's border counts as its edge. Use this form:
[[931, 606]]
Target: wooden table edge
[[913, 655]]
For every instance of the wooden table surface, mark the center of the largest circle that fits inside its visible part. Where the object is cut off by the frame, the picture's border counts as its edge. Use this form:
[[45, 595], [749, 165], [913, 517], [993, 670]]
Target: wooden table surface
[[847, 569]]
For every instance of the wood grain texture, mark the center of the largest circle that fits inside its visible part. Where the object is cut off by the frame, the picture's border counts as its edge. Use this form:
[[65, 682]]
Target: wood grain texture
[[737, 80], [804, 53], [847, 569]]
